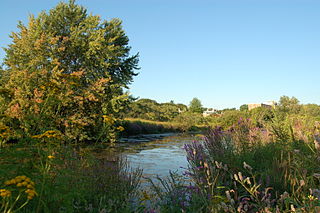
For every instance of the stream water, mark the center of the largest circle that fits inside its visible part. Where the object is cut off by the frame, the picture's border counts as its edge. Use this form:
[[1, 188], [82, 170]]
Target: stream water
[[157, 157]]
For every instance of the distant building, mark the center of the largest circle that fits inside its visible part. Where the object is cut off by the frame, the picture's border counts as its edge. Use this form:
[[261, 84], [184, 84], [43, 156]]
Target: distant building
[[208, 112], [268, 104]]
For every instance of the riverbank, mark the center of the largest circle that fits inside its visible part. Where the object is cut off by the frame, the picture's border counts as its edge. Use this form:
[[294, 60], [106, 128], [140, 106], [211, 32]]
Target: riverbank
[[133, 126]]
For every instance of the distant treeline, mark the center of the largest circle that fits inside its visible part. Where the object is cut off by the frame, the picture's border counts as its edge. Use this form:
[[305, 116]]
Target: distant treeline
[[186, 118], [151, 110]]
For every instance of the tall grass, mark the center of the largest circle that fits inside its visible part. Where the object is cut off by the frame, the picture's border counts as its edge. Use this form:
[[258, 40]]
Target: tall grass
[[250, 169], [68, 179], [140, 126]]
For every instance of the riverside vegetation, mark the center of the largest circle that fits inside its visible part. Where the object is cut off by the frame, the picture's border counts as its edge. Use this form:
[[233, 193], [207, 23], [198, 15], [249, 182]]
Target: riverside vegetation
[[62, 100]]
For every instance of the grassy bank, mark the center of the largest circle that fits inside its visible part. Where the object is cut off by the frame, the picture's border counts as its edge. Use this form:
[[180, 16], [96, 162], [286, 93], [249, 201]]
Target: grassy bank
[[134, 126], [242, 169], [246, 169], [45, 176]]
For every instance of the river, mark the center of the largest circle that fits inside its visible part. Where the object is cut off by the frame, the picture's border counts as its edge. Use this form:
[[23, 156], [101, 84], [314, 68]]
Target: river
[[158, 156]]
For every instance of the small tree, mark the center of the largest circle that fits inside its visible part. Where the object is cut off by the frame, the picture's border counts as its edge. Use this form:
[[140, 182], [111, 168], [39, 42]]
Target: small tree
[[66, 70], [195, 106], [289, 105], [244, 107]]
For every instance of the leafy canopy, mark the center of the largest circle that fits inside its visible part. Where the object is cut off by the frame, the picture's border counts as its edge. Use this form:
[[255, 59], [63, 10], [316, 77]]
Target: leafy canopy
[[66, 70], [195, 106]]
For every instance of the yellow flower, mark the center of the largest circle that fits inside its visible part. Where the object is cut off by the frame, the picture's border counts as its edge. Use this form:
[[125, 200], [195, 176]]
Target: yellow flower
[[5, 193], [31, 193], [120, 128], [312, 198], [49, 134], [18, 179], [50, 156]]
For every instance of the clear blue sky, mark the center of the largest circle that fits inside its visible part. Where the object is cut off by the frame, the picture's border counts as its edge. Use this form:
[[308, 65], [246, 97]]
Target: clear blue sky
[[225, 52]]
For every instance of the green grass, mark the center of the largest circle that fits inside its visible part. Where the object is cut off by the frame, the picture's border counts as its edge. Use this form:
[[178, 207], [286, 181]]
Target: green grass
[[72, 180]]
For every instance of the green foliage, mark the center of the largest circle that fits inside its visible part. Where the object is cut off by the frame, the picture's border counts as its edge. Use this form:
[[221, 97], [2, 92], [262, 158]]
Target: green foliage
[[189, 121], [228, 174], [312, 110], [137, 126], [151, 110], [64, 70], [261, 115], [289, 105], [195, 106], [227, 118], [244, 107], [70, 179]]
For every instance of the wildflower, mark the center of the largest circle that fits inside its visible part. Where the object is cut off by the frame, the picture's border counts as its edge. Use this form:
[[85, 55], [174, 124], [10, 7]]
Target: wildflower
[[236, 177], [240, 176], [31, 193], [48, 134], [5, 193], [24, 183], [120, 128], [248, 180], [8, 182], [312, 198], [50, 156], [20, 181]]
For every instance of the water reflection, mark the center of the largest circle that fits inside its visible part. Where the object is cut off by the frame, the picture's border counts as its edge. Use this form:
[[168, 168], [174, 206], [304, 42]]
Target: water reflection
[[157, 157]]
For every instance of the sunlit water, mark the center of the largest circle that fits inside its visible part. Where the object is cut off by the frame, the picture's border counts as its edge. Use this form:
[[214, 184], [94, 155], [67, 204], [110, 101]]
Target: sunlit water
[[158, 157]]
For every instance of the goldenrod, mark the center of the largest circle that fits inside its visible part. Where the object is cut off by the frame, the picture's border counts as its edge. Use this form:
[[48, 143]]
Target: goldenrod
[[5, 193]]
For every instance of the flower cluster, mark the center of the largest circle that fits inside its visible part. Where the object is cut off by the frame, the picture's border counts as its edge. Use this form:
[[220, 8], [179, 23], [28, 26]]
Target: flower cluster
[[49, 134], [120, 128], [5, 193], [23, 182]]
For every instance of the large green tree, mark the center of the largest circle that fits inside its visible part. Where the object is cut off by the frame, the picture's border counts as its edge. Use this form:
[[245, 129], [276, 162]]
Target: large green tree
[[66, 70]]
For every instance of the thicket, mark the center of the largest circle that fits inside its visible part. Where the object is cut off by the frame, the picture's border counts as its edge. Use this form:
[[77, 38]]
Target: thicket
[[152, 110], [270, 166]]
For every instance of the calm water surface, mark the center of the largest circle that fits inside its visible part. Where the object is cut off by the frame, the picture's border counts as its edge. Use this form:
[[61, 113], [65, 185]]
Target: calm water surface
[[158, 157]]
